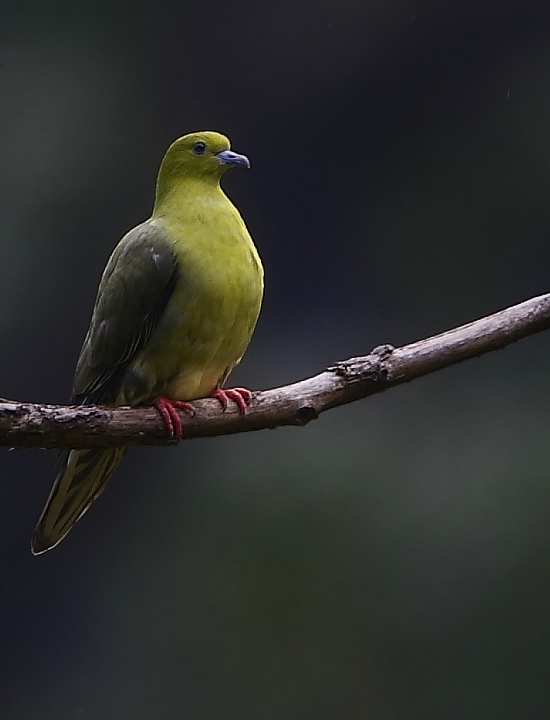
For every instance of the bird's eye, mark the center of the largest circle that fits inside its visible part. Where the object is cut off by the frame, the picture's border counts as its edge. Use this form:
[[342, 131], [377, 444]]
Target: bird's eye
[[199, 148]]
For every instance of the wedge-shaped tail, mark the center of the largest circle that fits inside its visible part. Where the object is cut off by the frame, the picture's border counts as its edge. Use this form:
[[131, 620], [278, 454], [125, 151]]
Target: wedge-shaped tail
[[79, 483]]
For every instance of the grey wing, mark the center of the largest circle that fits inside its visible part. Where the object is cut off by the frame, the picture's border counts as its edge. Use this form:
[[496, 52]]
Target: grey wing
[[137, 283]]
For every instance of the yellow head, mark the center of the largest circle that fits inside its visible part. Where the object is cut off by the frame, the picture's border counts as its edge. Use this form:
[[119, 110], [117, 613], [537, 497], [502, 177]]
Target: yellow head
[[199, 156]]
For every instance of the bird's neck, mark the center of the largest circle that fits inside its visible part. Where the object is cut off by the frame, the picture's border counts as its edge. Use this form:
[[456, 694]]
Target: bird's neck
[[175, 197]]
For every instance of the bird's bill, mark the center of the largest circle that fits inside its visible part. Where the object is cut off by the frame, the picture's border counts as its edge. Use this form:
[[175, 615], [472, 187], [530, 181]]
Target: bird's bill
[[228, 157]]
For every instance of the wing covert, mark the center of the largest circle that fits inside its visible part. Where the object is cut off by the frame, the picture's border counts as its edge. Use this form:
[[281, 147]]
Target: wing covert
[[134, 290]]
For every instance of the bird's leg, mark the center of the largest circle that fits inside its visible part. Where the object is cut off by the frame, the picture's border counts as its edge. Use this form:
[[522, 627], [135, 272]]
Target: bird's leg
[[168, 410], [241, 396]]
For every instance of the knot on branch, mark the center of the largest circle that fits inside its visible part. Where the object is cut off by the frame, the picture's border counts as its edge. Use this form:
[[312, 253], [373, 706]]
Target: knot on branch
[[373, 367], [306, 414]]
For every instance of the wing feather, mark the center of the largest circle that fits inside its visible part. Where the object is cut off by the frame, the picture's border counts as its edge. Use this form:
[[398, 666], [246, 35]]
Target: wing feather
[[137, 283]]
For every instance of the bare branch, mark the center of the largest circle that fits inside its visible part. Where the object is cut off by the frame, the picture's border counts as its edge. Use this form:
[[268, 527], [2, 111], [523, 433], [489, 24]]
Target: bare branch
[[25, 425]]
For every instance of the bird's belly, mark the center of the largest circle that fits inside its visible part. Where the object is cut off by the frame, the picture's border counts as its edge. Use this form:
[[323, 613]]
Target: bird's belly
[[201, 336], [194, 383]]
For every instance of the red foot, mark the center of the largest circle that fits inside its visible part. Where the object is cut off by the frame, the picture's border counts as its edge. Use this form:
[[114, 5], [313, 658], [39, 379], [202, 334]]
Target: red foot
[[241, 396], [168, 410]]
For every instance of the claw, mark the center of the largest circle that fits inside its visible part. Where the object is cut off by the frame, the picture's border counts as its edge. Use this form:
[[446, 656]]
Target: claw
[[241, 396], [168, 410]]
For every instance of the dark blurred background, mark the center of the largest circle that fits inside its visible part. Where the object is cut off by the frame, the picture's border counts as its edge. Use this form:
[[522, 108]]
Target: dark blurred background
[[391, 560]]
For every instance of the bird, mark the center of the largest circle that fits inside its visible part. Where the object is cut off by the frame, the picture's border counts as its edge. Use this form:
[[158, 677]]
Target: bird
[[175, 311]]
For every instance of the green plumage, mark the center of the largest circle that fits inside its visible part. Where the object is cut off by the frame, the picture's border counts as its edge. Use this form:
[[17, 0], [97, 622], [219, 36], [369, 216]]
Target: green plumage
[[175, 311]]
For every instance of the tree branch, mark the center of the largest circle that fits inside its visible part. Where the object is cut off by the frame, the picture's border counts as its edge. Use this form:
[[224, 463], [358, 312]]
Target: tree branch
[[25, 425]]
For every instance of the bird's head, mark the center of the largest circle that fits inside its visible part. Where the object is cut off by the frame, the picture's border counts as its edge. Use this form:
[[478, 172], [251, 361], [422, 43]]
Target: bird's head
[[202, 155]]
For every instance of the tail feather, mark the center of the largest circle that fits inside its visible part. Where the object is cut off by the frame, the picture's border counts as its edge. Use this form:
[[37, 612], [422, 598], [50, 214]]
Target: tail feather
[[78, 484]]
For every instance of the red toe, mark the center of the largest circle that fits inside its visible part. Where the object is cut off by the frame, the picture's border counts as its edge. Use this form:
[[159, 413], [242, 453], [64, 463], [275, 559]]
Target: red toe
[[241, 396], [168, 410]]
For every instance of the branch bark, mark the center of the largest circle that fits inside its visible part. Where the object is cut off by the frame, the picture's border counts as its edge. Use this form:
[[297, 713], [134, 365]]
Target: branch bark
[[25, 425]]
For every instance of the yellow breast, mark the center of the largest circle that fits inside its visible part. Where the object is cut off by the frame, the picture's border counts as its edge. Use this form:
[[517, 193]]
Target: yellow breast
[[209, 320]]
